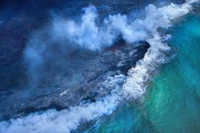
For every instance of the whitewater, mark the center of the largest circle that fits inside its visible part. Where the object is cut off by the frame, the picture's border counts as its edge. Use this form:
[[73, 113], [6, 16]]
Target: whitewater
[[132, 31]]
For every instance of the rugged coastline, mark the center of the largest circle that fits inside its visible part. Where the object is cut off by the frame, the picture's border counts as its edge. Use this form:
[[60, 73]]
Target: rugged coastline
[[62, 84]]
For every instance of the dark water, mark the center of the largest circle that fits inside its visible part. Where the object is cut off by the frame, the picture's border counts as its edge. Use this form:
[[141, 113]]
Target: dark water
[[172, 99]]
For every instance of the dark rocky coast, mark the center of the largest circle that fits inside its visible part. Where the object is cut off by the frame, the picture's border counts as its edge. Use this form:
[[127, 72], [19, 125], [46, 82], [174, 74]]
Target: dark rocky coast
[[67, 77]]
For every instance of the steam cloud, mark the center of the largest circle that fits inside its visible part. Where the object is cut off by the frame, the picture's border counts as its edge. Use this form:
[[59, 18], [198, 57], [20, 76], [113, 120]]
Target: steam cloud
[[53, 121], [64, 121], [88, 34]]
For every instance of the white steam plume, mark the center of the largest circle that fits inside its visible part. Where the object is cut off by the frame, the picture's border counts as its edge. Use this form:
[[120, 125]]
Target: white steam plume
[[64, 121], [135, 85], [87, 34]]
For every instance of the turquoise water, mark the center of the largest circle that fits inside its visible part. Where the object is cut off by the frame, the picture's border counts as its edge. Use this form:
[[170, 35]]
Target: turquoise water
[[173, 104], [172, 100]]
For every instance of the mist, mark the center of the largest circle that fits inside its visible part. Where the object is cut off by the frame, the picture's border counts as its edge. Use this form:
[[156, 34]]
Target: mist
[[62, 36]]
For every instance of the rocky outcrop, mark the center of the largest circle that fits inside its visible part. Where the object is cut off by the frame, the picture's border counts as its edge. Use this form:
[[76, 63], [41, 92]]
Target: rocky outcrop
[[67, 78], [82, 81]]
